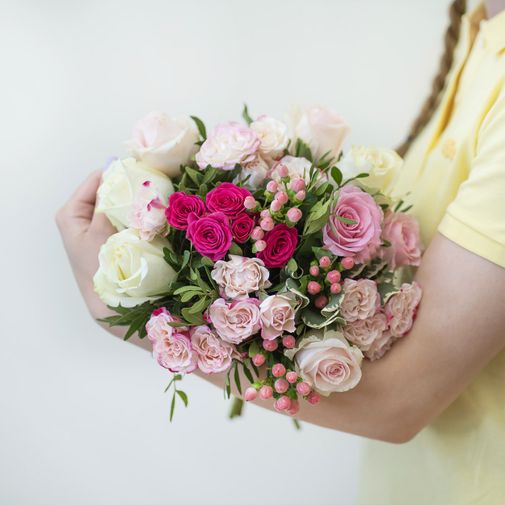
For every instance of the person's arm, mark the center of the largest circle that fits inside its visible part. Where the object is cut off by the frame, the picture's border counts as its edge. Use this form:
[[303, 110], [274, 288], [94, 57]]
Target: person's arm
[[459, 328]]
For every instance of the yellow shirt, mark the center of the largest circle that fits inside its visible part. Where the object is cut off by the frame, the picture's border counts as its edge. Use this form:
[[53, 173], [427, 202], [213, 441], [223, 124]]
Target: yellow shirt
[[455, 173]]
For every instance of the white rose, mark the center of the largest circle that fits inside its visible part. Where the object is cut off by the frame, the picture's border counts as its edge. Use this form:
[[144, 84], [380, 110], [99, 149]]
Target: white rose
[[298, 168], [240, 275], [321, 129], [273, 135], [131, 270], [382, 165], [121, 182], [327, 362], [253, 173], [164, 142]]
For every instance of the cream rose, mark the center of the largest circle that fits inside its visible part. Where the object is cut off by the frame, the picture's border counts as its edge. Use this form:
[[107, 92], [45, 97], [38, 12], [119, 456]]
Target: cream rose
[[240, 276], [277, 314], [298, 168], [120, 185], [360, 301], [381, 165], [163, 142], [321, 129], [131, 270], [253, 173], [273, 135], [327, 362]]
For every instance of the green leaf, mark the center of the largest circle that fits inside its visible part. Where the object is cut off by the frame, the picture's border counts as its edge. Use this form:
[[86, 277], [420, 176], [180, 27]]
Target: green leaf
[[172, 407], [236, 408], [236, 377], [209, 175], [302, 150], [207, 261], [296, 424], [199, 306], [194, 175], [235, 249], [247, 373], [186, 297], [344, 220], [336, 175], [184, 289], [292, 266], [185, 259], [245, 114], [201, 127], [317, 217], [192, 319], [321, 190], [183, 396], [254, 349]]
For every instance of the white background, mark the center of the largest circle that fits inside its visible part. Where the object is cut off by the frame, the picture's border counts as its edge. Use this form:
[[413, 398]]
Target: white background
[[83, 419]]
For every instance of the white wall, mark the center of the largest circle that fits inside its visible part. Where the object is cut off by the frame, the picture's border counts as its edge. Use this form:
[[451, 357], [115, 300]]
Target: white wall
[[83, 419]]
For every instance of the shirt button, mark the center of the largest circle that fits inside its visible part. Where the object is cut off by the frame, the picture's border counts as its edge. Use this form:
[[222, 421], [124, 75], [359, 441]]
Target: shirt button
[[449, 148]]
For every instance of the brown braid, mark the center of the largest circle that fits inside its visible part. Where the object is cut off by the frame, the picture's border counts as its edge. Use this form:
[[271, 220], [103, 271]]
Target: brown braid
[[456, 11]]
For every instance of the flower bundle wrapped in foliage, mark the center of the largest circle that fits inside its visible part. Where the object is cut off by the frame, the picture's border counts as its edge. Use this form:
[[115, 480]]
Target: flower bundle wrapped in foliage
[[258, 250]]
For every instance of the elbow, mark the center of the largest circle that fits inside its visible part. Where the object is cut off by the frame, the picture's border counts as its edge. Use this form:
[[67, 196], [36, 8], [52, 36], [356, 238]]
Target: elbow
[[400, 427]]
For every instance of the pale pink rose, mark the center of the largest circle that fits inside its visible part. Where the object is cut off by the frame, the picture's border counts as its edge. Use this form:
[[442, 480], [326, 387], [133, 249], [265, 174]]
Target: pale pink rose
[[361, 299], [214, 355], [253, 173], [297, 168], [148, 213], [402, 231], [277, 316], [227, 145], [164, 142], [380, 346], [273, 135], [328, 364], [236, 321], [364, 332], [158, 327], [401, 309], [323, 130], [240, 276]]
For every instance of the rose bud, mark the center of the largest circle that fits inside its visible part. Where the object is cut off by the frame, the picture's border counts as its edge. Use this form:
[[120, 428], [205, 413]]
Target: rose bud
[[300, 195], [325, 262], [259, 245], [303, 388], [267, 223], [282, 170], [272, 186], [282, 197], [250, 203], [313, 398], [294, 214], [314, 270], [313, 287], [321, 302], [265, 213], [266, 392], [275, 206], [257, 233], [347, 262], [250, 394], [283, 403], [295, 407], [270, 345], [292, 377], [278, 370], [259, 359], [335, 288], [288, 341], [297, 184], [281, 385], [333, 276]]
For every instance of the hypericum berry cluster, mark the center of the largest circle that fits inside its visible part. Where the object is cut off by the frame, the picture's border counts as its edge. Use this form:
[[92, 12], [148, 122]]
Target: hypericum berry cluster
[[326, 274]]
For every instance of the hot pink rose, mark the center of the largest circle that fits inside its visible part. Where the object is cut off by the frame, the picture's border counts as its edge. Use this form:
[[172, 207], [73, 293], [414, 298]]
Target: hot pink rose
[[402, 231], [364, 332], [214, 355], [401, 309], [360, 301], [277, 314], [228, 199], [380, 346], [227, 145], [210, 235], [281, 243], [236, 321], [180, 206], [360, 239], [242, 227]]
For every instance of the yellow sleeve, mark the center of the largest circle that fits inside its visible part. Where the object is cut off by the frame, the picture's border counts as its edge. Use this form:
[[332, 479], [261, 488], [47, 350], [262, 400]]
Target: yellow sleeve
[[475, 219]]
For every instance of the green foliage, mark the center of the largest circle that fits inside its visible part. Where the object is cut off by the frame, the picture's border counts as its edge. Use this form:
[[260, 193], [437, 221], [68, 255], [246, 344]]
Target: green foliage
[[302, 150], [201, 127], [245, 114]]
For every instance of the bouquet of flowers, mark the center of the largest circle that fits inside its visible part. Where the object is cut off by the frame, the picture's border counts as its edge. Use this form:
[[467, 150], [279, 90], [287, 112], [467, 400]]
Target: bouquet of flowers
[[260, 251]]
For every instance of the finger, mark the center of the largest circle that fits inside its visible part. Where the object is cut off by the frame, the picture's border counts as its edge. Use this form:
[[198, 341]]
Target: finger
[[101, 225]]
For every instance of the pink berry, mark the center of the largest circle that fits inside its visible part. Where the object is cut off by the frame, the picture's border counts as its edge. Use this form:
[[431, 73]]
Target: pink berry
[[325, 262], [294, 214], [300, 195], [270, 345], [250, 394], [265, 213], [282, 170], [272, 186], [313, 398], [267, 223], [278, 370], [297, 184], [250, 203], [291, 377], [283, 403], [347, 262], [275, 206], [314, 270], [288, 341], [321, 302], [260, 245], [335, 288], [303, 388], [266, 392], [282, 197], [295, 407], [333, 276], [258, 359], [257, 233], [281, 385], [313, 287]]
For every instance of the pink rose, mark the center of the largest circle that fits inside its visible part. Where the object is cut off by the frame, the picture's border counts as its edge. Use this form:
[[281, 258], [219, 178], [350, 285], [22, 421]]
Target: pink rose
[[180, 206], [236, 321], [361, 239], [277, 314], [240, 276], [210, 235], [157, 327], [380, 346], [401, 309], [328, 364], [228, 199], [360, 301], [148, 213], [364, 332], [242, 228], [281, 243], [402, 231], [227, 145], [214, 355]]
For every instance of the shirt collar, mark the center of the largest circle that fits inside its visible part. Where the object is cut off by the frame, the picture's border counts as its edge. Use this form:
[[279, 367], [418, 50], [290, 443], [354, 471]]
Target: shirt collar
[[492, 30]]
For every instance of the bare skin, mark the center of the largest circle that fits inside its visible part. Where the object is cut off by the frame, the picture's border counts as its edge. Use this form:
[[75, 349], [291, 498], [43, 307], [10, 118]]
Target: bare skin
[[494, 7], [399, 394]]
